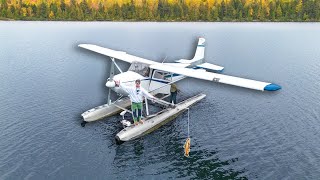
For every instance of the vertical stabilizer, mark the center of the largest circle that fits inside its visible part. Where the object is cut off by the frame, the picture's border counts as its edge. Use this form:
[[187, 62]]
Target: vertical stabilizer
[[198, 56], [200, 49]]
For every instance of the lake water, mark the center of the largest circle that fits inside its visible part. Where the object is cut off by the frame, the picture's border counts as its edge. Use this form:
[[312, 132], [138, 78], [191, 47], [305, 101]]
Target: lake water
[[47, 82]]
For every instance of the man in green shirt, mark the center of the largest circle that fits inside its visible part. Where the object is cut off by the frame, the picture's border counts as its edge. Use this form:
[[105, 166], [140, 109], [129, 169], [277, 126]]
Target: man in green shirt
[[174, 91]]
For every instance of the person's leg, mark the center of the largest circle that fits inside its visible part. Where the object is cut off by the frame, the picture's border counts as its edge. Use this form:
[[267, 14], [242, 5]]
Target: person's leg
[[134, 112], [171, 97], [174, 97], [139, 109]]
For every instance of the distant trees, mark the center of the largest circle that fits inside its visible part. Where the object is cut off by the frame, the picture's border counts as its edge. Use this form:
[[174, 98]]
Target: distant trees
[[161, 10]]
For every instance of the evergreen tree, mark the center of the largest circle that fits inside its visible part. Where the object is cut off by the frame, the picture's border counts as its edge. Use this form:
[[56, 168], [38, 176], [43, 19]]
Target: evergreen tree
[[4, 8], [203, 11], [86, 12], [73, 10], [163, 9], [100, 13], [185, 11], [222, 10], [12, 11], [177, 11], [279, 12], [63, 7], [272, 11], [240, 10], [35, 10], [43, 11], [53, 8]]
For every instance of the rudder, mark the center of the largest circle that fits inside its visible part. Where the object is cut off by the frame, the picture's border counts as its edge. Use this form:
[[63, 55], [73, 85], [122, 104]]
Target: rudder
[[199, 55]]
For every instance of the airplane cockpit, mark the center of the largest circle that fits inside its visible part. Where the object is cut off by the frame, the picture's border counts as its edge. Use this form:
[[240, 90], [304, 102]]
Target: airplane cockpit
[[140, 68], [144, 70]]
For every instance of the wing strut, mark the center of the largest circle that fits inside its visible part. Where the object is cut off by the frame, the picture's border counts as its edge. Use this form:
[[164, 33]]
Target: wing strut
[[114, 62], [111, 78]]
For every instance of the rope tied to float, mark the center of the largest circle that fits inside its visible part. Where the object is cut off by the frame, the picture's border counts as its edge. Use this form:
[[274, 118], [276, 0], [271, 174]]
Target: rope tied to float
[[188, 141]]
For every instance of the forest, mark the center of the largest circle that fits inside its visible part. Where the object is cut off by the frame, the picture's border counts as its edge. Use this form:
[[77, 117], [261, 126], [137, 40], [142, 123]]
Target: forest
[[161, 10]]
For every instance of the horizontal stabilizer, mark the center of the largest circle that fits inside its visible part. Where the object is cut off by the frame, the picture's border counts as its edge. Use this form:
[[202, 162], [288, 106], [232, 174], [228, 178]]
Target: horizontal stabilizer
[[184, 61], [209, 66]]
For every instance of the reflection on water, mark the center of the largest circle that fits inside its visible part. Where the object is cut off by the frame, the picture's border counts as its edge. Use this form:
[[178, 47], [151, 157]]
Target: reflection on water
[[201, 164], [164, 148]]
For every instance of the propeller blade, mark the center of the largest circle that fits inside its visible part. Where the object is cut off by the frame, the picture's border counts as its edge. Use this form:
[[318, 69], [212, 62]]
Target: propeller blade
[[109, 96], [110, 83], [111, 71]]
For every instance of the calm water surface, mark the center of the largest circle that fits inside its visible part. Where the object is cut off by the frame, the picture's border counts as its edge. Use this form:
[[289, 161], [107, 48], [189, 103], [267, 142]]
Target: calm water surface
[[47, 82]]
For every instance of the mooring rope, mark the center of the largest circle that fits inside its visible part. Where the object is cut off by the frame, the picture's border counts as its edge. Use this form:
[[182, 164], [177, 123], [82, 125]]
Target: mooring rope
[[188, 123]]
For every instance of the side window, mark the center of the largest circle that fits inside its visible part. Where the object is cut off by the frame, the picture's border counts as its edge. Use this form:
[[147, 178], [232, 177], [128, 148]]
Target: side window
[[162, 75], [158, 75], [167, 76]]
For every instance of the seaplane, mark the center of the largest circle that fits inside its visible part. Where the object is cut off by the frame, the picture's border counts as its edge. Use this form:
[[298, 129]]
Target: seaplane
[[156, 78]]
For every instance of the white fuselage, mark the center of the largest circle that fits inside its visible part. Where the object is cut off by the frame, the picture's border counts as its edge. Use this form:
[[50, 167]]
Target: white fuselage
[[128, 79]]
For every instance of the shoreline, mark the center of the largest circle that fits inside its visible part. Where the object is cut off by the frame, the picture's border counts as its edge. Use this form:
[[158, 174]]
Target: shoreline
[[13, 20]]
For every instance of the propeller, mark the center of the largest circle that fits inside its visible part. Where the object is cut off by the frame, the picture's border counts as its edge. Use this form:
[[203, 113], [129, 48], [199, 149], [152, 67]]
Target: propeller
[[110, 82]]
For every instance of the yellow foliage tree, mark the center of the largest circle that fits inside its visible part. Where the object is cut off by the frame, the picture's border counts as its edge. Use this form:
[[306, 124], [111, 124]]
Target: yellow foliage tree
[[29, 12], [24, 11], [138, 3], [251, 11], [172, 1], [51, 15], [152, 5], [299, 6]]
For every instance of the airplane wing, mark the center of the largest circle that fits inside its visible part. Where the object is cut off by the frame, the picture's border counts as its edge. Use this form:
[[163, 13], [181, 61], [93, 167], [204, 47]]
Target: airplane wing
[[120, 55], [220, 78], [195, 73]]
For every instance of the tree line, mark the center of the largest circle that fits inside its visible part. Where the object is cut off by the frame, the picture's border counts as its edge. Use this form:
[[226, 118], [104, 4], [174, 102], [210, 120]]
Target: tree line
[[161, 10]]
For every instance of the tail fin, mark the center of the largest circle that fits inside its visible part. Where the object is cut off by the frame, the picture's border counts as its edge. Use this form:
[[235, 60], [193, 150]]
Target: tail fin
[[199, 55], [198, 61]]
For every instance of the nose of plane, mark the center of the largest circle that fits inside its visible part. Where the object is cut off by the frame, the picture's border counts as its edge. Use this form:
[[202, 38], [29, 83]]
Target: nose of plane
[[110, 84]]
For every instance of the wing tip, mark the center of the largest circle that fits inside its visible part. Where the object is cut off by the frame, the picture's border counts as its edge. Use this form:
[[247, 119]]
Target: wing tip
[[272, 87], [82, 45]]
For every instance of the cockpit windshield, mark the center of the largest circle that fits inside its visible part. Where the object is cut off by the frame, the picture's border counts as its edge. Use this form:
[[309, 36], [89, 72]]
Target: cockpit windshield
[[140, 68]]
